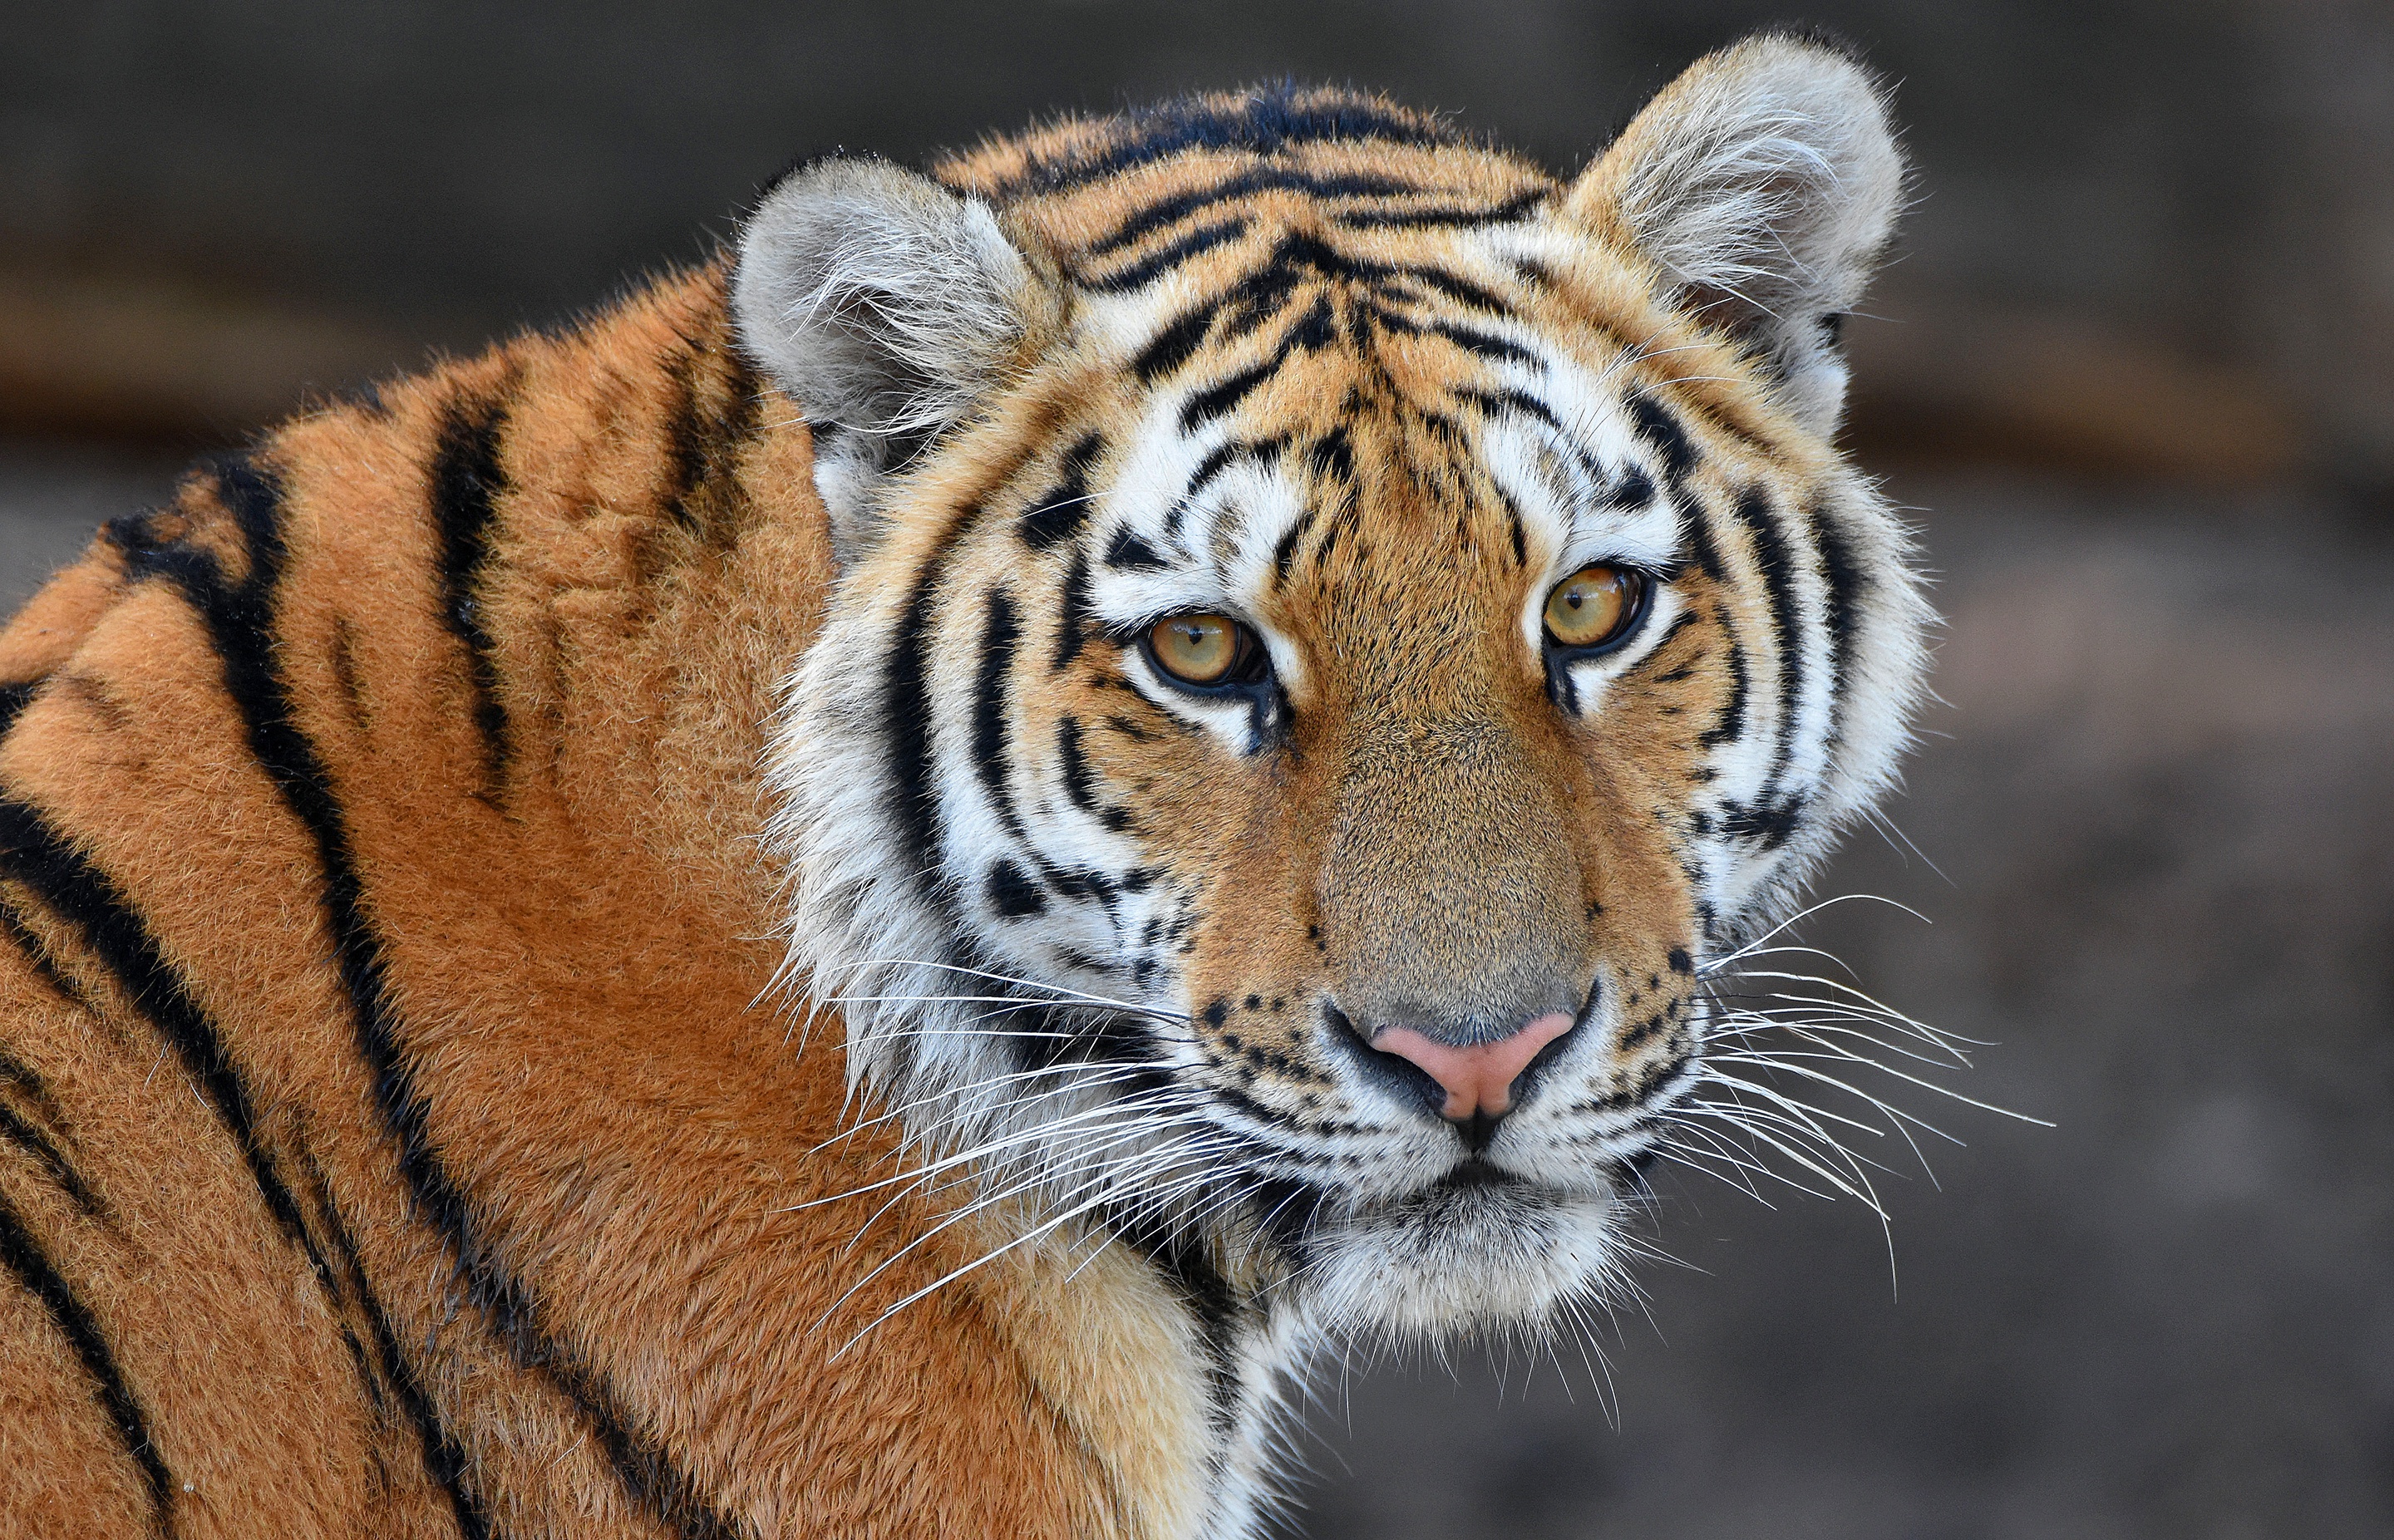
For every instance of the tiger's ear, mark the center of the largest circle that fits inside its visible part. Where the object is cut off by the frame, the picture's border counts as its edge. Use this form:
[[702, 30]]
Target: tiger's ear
[[887, 308], [1764, 183]]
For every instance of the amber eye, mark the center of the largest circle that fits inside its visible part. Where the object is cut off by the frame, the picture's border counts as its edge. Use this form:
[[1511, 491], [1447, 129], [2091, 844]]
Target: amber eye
[[1593, 606], [1206, 650]]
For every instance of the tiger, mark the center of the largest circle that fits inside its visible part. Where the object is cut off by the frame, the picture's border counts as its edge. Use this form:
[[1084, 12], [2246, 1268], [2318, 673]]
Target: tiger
[[877, 890]]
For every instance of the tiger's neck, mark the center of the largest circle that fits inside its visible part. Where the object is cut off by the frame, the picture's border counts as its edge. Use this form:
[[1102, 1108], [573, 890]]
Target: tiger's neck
[[1174, 1365]]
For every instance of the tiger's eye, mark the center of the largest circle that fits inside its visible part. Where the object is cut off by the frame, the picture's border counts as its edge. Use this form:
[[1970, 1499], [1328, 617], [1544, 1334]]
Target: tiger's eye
[[1196, 649], [1591, 607]]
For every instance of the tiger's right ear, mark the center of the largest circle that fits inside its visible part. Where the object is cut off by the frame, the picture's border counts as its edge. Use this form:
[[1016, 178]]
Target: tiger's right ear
[[887, 308]]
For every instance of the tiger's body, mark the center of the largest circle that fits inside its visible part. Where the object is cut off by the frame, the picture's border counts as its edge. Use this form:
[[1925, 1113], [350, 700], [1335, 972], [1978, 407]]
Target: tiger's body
[[626, 937]]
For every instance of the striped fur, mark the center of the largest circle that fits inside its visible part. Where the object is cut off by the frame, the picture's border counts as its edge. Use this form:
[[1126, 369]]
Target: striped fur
[[617, 939]]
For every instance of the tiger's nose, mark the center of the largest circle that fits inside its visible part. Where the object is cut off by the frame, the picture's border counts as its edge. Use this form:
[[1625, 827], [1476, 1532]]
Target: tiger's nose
[[1478, 1077]]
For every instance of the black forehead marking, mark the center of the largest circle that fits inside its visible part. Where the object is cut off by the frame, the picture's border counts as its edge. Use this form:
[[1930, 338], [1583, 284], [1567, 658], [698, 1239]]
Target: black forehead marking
[[1661, 428], [1060, 515], [1220, 398], [1264, 123], [1461, 290], [1313, 331], [1259, 295], [1172, 347], [1510, 209], [1129, 552], [1488, 346], [1157, 263], [1510, 400], [1216, 460], [1265, 179]]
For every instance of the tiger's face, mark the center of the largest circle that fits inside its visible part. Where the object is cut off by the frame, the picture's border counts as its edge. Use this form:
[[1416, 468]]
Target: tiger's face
[[1331, 640]]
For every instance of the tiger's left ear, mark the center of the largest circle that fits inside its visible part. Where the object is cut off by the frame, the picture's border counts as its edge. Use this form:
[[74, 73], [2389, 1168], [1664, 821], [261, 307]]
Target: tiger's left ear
[[1764, 183], [887, 308]]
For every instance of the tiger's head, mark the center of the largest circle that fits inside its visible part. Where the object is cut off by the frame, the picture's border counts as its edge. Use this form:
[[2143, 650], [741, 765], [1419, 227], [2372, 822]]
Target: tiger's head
[[1334, 628]]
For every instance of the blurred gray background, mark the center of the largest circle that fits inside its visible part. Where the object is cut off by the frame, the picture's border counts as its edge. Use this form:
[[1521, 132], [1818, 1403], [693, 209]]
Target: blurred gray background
[[2134, 375]]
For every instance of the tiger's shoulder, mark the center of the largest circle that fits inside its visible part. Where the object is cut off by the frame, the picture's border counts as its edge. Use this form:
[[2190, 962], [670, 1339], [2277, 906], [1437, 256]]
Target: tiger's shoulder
[[378, 862]]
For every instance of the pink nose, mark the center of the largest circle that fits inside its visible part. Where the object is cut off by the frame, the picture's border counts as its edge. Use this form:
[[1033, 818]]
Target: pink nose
[[1478, 1078]]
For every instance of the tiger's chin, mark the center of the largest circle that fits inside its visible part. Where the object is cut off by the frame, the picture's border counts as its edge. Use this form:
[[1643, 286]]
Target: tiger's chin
[[1470, 1255]]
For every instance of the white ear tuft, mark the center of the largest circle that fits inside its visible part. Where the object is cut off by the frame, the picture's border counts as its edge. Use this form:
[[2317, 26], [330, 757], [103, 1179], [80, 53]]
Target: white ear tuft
[[887, 307], [1764, 182]]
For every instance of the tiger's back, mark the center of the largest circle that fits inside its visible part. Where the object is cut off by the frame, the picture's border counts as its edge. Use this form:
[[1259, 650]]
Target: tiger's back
[[444, 851]]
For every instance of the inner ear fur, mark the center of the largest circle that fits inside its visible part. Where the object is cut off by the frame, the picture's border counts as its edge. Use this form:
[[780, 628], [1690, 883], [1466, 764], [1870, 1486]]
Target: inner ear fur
[[887, 308], [1764, 184]]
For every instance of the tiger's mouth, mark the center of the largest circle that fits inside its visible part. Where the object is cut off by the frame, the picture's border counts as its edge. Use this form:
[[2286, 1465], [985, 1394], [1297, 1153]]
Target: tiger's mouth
[[1401, 1218]]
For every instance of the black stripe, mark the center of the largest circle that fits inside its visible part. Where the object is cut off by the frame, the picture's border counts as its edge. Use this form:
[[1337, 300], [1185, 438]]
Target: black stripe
[[1213, 464], [1179, 1259], [1846, 581], [1511, 208], [1001, 634], [1679, 622], [24, 1257], [1483, 344], [1659, 428], [703, 441], [1129, 552], [1461, 290], [1172, 346], [1634, 488], [444, 1458], [1301, 250], [14, 699], [907, 707], [80, 895], [1080, 780], [1311, 332], [685, 452], [1011, 892], [1513, 525], [1157, 263], [1285, 549], [42, 859], [38, 956], [1285, 1215], [467, 482], [29, 1084], [1059, 516], [1510, 400], [1168, 211], [1260, 296], [17, 1130], [1263, 123], [1220, 398], [1771, 555], [1730, 726], [1333, 456], [240, 620], [1696, 519], [1073, 612]]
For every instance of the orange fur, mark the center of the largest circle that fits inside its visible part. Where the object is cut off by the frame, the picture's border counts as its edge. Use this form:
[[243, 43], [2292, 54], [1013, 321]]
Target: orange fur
[[576, 954]]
